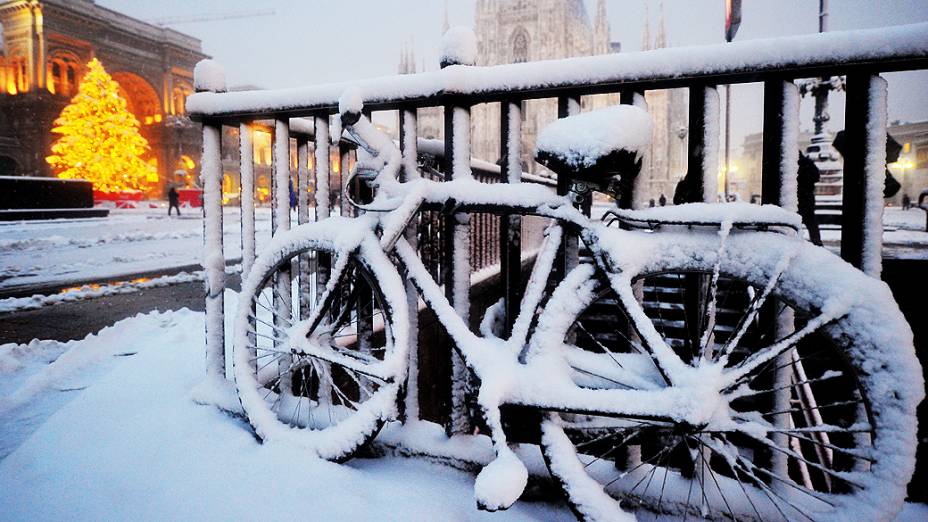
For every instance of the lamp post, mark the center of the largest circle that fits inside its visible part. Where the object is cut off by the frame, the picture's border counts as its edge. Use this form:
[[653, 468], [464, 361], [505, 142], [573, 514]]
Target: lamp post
[[732, 23]]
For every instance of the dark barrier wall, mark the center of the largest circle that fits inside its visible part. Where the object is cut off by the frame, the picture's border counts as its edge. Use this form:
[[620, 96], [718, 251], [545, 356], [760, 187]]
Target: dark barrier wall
[[17, 192], [908, 279]]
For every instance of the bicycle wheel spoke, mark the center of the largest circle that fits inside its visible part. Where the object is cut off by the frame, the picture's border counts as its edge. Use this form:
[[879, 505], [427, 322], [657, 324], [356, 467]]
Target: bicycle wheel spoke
[[265, 323], [770, 352], [266, 336], [816, 407], [752, 393], [581, 370], [746, 467], [709, 310], [601, 345], [274, 313], [759, 299], [790, 453]]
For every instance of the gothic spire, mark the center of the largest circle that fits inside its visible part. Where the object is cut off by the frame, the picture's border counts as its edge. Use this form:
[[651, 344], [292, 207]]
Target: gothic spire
[[445, 25], [601, 35], [661, 30], [646, 36]]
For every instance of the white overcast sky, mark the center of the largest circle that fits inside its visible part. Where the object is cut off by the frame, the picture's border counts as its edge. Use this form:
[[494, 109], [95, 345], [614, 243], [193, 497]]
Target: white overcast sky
[[316, 41]]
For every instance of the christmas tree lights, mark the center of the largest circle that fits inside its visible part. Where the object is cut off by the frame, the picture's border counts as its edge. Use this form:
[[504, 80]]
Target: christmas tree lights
[[100, 139]]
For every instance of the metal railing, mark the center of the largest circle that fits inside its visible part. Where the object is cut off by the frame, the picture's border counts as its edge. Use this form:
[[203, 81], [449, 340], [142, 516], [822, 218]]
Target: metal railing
[[860, 55]]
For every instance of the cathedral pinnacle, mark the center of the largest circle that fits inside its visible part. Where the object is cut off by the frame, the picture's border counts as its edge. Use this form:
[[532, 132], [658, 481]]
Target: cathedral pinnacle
[[445, 25], [646, 35]]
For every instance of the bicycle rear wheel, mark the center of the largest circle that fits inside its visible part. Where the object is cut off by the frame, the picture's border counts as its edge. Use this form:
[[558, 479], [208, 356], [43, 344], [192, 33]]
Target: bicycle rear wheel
[[321, 343], [818, 382]]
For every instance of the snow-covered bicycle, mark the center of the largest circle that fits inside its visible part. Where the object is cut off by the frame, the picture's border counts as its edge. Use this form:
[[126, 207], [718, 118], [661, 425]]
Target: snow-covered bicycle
[[700, 360]]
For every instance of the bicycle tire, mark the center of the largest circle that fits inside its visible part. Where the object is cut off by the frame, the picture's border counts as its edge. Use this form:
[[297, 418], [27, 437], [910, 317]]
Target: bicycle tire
[[871, 345], [334, 400]]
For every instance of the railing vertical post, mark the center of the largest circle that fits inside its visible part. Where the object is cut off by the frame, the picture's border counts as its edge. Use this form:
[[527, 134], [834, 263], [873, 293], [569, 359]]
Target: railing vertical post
[[781, 145], [209, 76], [456, 254], [510, 229], [280, 222], [703, 145], [247, 183], [568, 253], [779, 186], [864, 166], [321, 151], [409, 146], [304, 273], [361, 190], [632, 198], [322, 166], [214, 262]]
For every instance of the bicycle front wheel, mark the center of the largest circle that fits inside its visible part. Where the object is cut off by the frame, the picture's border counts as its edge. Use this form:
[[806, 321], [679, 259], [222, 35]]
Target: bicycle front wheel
[[813, 365], [321, 339]]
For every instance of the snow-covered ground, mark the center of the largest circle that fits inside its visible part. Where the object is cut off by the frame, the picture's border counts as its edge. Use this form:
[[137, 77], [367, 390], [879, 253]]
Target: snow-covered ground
[[127, 242], [104, 429], [134, 241], [904, 238]]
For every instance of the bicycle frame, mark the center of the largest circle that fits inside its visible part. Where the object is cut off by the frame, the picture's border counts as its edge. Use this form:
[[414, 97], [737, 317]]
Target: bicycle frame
[[494, 360]]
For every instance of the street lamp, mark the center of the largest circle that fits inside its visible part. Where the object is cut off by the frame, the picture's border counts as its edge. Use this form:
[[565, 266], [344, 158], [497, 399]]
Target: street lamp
[[732, 23]]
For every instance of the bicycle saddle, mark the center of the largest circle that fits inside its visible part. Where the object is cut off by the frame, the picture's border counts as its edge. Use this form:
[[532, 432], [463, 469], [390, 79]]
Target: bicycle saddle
[[597, 145]]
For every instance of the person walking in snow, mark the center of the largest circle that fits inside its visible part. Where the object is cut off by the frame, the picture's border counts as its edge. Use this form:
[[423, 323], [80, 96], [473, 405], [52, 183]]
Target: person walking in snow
[[173, 200], [662, 200], [293, 200], [807, 177], [906, 202]]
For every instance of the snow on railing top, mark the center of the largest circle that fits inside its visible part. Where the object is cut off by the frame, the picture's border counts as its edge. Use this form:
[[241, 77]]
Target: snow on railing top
[[883, 49]]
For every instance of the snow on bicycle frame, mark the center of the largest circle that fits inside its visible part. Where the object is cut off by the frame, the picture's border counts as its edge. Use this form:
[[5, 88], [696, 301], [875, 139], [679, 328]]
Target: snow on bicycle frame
[[536, 366]]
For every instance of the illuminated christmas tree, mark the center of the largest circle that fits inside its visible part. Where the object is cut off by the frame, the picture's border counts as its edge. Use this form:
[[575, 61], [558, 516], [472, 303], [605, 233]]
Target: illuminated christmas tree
[[100, 139]]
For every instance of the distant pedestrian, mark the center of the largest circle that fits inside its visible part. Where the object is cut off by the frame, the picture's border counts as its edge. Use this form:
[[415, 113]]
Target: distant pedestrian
[[893, 148], [293, 199], [808, 176], [906, 202], [651, 203], [662, 200], [173, 200]]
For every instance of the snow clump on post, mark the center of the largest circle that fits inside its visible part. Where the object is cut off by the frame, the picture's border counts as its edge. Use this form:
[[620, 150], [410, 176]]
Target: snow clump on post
[[351, 101], [458, 47], [209, 75]]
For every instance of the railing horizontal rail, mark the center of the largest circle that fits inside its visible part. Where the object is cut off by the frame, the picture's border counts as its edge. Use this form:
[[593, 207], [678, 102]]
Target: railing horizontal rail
[[872, 50]]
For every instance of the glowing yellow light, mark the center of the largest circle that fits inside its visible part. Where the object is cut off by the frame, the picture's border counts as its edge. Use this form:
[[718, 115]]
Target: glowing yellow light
[[99, 138], [157, 118], [148, 120], [902, 163]]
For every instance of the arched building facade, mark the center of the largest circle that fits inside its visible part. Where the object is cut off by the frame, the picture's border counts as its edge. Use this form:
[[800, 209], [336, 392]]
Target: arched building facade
[[44, 47]]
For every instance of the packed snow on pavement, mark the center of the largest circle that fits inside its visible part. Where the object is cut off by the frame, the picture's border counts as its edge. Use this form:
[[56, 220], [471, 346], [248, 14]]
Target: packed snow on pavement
[[36, 253], [105, 429]]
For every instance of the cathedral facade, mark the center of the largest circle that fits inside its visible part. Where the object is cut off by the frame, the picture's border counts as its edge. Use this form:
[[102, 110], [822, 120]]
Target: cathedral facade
[[513, 31], [44, 47]]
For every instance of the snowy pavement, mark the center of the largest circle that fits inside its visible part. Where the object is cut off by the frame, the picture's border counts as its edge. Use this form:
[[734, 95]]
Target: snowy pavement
[[90, 432], [105, 429], [128, 242], [904, 238]]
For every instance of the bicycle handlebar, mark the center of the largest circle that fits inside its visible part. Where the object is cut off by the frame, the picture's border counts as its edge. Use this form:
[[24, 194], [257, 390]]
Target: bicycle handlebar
[[383, 161]]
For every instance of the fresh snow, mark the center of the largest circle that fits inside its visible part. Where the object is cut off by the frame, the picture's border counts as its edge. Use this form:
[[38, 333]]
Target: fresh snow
[[459, 46], [671, 63], [128, 242], [131, 444], [13, 304], [581, 140], [209, 75]]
